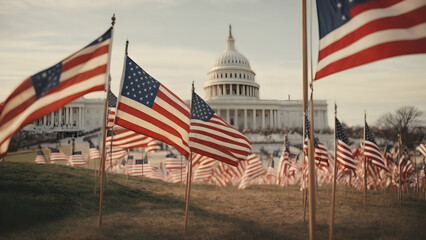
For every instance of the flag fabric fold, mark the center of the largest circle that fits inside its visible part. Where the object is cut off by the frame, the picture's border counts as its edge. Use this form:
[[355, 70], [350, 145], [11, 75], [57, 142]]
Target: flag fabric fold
[[47, 91]]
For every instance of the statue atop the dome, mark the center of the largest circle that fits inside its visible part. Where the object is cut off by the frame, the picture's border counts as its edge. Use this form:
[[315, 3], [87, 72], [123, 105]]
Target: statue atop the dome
[[230, 31]]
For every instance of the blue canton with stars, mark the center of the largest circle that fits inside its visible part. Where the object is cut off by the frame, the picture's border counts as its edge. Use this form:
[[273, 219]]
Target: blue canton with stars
[[112, 99], [340, 134], [369, 135], [200, 110], [334, 13], [46, 80], [138, 85]]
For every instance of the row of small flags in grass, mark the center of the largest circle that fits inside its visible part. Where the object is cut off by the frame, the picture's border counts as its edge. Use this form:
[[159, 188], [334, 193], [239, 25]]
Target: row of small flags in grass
[[290, 170]]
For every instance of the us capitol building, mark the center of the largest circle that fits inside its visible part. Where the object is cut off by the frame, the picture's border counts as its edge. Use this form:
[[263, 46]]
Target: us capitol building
[[231, 91]]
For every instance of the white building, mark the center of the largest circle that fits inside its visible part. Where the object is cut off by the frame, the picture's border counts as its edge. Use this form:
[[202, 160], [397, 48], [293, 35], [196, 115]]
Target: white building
[[231, 90], [81, 115]]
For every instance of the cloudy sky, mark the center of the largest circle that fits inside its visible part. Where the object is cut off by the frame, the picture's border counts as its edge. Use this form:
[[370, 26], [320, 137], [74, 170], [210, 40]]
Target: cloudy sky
[[177, 41]]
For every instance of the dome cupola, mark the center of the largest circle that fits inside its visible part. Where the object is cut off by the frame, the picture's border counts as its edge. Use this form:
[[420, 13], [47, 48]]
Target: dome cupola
[[231, 75]]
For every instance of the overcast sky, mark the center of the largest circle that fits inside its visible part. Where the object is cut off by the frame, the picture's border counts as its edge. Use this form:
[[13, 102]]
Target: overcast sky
[[178, 41]]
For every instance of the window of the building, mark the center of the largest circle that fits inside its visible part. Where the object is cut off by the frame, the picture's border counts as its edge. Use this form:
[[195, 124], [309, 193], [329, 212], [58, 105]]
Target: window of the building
[[230, 75], [240, 75], [226, 75]]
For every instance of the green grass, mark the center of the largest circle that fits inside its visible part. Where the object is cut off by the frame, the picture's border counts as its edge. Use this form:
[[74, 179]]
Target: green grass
[[57, 202]]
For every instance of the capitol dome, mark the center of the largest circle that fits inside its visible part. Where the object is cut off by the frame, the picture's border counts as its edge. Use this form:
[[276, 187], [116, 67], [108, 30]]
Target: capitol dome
[[231, 75]]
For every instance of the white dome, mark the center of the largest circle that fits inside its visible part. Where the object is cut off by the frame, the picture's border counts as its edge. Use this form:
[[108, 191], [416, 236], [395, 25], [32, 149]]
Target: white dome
[[231, 58]]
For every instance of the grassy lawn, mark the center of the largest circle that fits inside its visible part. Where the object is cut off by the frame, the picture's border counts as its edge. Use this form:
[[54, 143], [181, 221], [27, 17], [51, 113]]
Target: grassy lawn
[[58, 202]]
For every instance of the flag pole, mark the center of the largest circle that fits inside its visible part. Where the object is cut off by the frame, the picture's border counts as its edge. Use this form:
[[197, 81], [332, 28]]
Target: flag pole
[[399, 169], [104, 129], [189, 175], [365, 167], [305, 101], [333, 196]]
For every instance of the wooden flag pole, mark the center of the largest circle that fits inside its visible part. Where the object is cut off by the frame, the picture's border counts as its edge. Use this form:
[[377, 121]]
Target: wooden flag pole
[[189, 175], [311, 163], [104, 129], [399, 169], [365, 168], [333, 196]]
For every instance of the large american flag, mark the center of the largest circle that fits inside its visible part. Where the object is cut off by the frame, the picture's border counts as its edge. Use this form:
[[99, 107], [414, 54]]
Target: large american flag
[[356, 32], [372, 151], [344, 152], [211, 136], [47, 91], [422, 149], [148, 107]]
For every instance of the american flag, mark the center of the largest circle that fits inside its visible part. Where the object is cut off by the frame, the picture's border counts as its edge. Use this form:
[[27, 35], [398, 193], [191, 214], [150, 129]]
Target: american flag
[[93, 151], [112, 108], [320, 151], [220, 174], [148, 107], [357, 32], [205, 170], [157, 173], [283, 165], [47, 91], [422, 149], [211, 136], [56, 155], [372, 151], [152, 146], [127, 139], [406, 165], [344, 153], [254, 169], [77, 159], [176, 168], [140, 168], [117, 153], [40, 158]]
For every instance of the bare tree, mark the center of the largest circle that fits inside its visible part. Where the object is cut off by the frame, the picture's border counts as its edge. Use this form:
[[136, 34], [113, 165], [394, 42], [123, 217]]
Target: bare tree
[[405, 120]]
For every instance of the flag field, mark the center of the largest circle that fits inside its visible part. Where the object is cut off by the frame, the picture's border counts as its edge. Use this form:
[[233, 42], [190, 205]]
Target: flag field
[[57, 202]]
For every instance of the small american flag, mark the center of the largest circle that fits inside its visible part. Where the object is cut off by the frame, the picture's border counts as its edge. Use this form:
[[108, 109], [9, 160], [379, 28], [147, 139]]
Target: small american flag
[[344, 153], [56, 155], [205, 170], [127, 139], [77, 159], [93, 151], [148, 107], [283, 165], [40, 158], [152, 146], [211, 136], [320, 151], [422, 149], [372, 151], [112, 108], [47, 91], [357, 32], [254, 170]]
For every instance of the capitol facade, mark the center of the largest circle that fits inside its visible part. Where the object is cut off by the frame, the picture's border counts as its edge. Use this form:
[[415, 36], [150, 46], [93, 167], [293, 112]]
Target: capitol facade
[[233, 93]]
